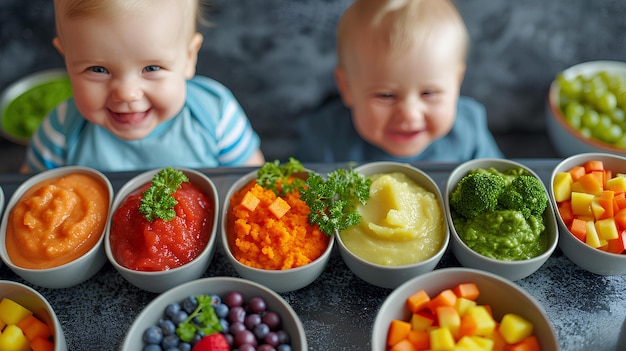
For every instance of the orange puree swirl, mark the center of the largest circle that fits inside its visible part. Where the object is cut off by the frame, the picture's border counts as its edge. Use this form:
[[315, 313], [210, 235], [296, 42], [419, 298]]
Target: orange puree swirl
[[57, 221]]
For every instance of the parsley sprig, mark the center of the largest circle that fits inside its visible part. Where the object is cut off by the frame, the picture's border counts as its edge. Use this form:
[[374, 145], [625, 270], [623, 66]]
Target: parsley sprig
[[333, 200], [157, 201], [203, 319], [275, 177]]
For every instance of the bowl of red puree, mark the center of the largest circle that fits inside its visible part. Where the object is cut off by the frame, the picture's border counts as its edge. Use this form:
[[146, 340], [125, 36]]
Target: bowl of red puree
[[162, 228], [277, 248], [53, 226]]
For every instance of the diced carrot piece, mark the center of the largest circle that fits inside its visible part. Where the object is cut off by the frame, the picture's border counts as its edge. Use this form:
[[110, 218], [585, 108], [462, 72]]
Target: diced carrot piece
[[606, 201], [608, 174], [620, 200], [530, 343], [590, 184], [33, 327], [468, 326], [467, 290], [403, 345], [279, 207], [593, 165], [565, 210], [249, 201], [620, 219], [417, 301], [577, 172], [617, 246], [444, 298], [420, 339], [398, 330], [41, 344], [579, 229]]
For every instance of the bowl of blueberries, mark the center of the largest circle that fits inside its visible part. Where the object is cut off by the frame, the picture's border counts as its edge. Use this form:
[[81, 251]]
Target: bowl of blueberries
[[217, 313]]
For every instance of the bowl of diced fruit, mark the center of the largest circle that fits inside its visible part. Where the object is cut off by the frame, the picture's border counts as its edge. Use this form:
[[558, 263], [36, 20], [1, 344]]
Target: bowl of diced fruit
[[226, 313], [589, 191], [462, 309], [586, 108], [27, 321]]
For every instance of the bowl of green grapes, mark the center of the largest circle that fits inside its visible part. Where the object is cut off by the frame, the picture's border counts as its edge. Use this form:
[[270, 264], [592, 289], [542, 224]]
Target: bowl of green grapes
[[586, 108]]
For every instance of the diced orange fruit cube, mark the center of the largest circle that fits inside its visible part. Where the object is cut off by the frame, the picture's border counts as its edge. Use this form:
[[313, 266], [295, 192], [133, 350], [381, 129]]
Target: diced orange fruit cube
[[445, 298], [41, 344], [250, 202], [398, 330], [33, 327], [279, 207], [417, 301]]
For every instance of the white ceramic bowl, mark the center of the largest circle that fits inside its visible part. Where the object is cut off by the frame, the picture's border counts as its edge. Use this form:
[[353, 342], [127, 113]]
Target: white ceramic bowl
[[277, 280], [74, 272], [36, 303], [503, 296], [513, 270], [583, 255], [20, 87], [159, 281], [392, 276], [220, 286], [566, 139]]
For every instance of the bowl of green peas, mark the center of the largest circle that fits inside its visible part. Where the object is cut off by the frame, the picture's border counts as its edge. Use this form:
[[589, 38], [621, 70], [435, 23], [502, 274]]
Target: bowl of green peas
[[587, 109]]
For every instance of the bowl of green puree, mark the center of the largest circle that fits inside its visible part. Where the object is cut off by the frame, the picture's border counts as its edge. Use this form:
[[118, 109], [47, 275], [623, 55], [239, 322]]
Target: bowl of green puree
[[27, 101], [500, 217]]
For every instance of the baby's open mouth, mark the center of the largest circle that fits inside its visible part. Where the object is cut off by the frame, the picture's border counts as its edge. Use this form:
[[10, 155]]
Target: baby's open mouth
[[129, 117]]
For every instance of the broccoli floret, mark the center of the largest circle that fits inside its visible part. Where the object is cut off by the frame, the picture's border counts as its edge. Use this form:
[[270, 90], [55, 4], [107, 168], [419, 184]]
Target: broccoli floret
[[476, 193], [525, 194]]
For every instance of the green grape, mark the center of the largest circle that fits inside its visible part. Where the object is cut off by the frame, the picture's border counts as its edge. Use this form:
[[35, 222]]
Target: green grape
[[621, 99], [590, 118], [606, 102], [571, 88], [617, 115], [621, 142]]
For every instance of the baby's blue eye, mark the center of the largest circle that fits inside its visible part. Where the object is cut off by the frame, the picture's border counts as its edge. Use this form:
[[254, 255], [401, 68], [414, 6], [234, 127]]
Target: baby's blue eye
[[385, 95], [98, 69], [152, 68]]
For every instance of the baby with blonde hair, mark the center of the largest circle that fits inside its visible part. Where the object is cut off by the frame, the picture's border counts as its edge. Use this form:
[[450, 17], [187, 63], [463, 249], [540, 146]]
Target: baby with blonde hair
[[137, 103], [400, 67]]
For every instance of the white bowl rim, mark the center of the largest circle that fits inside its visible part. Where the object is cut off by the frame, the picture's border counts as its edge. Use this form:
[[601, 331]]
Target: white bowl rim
[[553, 98], [37, 178], [226, 246], [579, 243], [165, 297], [130, 186], [551, 245]]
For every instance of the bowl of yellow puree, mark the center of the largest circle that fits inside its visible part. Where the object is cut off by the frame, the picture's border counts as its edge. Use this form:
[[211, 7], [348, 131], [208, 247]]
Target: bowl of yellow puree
[[27, 101], [403, 230]]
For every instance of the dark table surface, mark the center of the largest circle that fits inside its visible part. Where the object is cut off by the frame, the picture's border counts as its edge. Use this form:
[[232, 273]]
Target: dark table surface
[[338, 309]]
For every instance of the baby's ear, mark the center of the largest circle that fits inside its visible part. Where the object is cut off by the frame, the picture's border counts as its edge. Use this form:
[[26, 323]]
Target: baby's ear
[[192, 54], [343, 86], [56, 42]]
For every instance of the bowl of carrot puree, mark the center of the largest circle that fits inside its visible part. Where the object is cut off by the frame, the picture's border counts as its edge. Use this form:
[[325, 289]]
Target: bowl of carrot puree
[[284, 254], [156, 254], [53, 226]]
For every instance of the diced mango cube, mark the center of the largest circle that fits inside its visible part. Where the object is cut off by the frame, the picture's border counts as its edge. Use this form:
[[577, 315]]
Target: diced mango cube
[[462, 304], [515, 328], [421, 321], [12, 339], [482, 319], [607, 229], [12, 312], [448, 317], [562, 186], [441, 339], [581, 204]]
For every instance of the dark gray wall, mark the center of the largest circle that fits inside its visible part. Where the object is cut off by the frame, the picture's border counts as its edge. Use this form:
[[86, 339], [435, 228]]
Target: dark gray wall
[[277, 55]]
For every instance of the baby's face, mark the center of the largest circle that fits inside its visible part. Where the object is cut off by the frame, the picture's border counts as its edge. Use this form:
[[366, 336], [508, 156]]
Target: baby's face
[[402, 102], [128, 70]]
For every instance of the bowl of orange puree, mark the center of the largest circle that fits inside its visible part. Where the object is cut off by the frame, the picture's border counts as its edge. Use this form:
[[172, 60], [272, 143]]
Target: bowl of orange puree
[[155, 253], [53, 226]]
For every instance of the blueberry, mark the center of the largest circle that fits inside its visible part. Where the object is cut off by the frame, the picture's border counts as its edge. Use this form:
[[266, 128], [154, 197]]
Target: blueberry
[[184, 346], [283, 347], [153, 335], [190, 304], [170, 341], [172, 309], [152, 347], [221, 310], [179, 317], [167, 326], [215, 300], [225, 325]]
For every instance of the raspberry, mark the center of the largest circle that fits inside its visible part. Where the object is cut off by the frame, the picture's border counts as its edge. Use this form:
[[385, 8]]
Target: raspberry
[[213, 342]]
